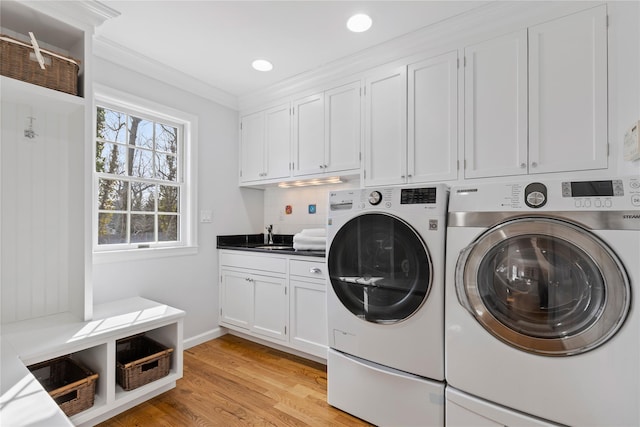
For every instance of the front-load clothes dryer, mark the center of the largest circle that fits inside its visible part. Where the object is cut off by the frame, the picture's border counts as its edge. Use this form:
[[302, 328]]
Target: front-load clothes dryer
[[542, 311], [385, 302]]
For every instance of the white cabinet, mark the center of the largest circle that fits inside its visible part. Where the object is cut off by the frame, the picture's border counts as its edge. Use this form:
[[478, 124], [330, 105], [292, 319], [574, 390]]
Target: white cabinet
[[432, 144], [536, 99], [385, 126], [236, 298], [326, 131], [308, 135], [568, 93], [253, 294], [270, 306], [277, 298], [308, 315], [411, 121], [265, 141], [496, 106]]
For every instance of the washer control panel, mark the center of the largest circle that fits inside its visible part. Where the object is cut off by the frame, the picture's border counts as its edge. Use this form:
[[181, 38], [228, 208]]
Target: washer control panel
[[612, 188], [618, 194], [535, 195], [598, 194]]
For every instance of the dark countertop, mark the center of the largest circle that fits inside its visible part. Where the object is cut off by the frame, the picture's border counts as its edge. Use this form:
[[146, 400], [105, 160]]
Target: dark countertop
[[255, 243]]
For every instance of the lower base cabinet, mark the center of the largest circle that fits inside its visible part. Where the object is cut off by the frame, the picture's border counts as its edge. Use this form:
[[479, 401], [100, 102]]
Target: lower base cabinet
[[275, 297]]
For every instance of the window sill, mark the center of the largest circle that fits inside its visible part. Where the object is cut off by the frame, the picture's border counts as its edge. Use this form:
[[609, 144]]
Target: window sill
[[105, 257]]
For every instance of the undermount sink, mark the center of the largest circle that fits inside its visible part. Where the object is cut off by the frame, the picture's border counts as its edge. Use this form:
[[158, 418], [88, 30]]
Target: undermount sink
[[275, 247]]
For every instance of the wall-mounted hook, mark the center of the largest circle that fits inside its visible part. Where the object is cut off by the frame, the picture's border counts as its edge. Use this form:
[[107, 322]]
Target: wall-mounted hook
[[29, 132]]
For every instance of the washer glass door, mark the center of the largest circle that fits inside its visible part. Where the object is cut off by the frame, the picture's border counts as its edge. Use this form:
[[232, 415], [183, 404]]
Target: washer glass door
[[544, 286], [379, 268]]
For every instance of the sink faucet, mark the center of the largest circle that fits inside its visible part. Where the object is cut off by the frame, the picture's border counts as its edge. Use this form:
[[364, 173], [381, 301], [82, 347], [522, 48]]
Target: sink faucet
[[270, 234]]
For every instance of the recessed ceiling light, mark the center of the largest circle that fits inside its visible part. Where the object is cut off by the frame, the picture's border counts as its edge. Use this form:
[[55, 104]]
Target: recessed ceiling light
[[359, 23], [262, 65]]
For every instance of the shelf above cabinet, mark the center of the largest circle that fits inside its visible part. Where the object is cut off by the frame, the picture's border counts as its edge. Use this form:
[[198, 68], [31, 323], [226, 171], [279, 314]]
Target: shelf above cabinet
[[19, 92]]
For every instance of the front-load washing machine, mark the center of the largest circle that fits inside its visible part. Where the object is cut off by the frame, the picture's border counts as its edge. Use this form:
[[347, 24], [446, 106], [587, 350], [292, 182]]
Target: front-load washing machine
[[542, 309], [385, 303]]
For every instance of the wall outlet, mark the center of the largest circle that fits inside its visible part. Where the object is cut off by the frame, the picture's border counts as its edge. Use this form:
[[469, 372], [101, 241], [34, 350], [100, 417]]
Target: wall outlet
[[632, 143]]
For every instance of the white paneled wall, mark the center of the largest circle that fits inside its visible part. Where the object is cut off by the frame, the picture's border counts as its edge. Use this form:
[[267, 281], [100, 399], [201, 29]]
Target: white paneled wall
[[276, 199], [42, 258]]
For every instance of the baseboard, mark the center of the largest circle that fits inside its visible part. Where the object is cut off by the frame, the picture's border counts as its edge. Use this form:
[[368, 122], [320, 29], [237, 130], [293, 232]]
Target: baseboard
[[204, 337], [283, 348]]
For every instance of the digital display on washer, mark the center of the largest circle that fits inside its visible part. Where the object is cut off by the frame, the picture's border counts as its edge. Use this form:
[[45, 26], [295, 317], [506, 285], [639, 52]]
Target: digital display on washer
[[609, 188], [414, 196]]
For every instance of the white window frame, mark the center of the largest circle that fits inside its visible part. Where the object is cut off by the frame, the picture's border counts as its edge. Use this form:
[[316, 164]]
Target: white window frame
[[188, 244]]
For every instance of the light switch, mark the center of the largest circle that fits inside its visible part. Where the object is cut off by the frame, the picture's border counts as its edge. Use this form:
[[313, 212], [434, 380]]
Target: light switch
[[206, 216]]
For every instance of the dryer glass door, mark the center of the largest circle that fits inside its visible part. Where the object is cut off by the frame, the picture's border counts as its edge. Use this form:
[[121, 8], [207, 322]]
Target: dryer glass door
[[379, 268], [544, 286]]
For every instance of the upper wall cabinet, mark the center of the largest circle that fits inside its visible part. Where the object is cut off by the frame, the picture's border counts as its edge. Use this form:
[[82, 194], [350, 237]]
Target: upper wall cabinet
[[265, 141], [495, 107], [411, 123], [568, 93], [385, 135], [326, 132], [433, 119], [536, 100]]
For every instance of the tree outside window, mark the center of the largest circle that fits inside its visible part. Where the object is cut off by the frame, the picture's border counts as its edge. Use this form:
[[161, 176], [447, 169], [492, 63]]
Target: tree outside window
[[139, 179]]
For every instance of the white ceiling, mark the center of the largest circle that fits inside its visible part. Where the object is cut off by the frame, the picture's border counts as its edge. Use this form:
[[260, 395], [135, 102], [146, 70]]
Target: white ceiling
[[216, 41]]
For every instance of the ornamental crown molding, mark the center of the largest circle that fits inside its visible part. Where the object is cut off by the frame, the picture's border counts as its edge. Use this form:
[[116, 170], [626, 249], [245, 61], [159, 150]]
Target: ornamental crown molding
[[82, 13]]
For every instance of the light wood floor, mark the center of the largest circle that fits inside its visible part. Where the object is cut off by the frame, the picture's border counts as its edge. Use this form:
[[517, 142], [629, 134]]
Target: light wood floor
[[230, 381]]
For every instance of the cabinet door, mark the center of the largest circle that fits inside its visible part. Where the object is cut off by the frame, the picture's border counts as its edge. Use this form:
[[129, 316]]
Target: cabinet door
[[277, 141], [568, 93], [309, 317], [252, 147], [432, 119], [270, 307], [236, 299], [342, 128], [386, 127], [308, 135], [495, 74]]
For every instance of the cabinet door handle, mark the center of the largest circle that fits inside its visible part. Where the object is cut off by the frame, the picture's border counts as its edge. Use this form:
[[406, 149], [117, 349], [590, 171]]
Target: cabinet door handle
[[315, 270], [523, 165], [534, 164]]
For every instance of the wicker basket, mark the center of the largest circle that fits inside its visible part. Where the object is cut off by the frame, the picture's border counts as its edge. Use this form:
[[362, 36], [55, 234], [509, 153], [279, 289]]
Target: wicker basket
[[141, 360], [69, 383], [18, 61]]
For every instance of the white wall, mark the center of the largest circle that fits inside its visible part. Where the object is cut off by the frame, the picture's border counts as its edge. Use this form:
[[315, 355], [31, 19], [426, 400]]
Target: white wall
[[276, 199], [187, 282]]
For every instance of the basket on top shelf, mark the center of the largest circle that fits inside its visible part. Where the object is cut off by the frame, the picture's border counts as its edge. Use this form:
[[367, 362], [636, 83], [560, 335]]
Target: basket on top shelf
[[18, 61], [68, 382], [140, 360]]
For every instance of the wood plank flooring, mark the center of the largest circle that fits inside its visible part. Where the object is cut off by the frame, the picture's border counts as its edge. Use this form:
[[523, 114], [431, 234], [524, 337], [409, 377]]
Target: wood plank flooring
[[230, 381]]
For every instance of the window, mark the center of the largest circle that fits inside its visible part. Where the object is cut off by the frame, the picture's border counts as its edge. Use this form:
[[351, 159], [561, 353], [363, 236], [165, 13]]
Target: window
[[143, 187]]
